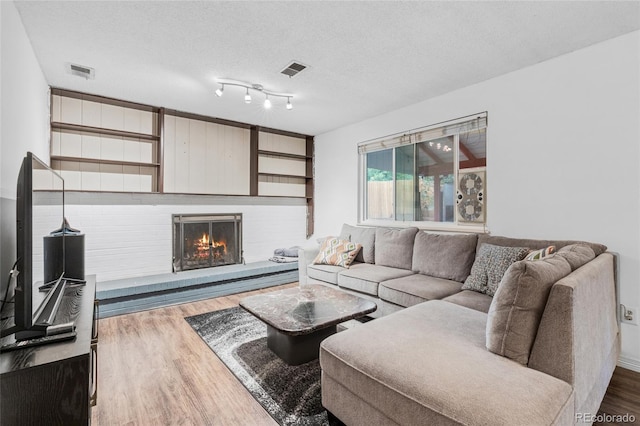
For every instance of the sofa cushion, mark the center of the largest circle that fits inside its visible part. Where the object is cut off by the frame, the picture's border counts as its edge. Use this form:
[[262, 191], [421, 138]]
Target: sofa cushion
[[443, 255], [364, 278], [577, 254], [490, 265], [418, 366], [394, 247], [471, 299], [363, 236], [326, 273], [338, 252], [598, 249], [417, 288], [516, 309]]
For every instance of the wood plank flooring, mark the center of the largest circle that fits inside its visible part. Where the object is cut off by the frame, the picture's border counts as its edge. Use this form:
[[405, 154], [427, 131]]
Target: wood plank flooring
[[154, 370], [623, 396]]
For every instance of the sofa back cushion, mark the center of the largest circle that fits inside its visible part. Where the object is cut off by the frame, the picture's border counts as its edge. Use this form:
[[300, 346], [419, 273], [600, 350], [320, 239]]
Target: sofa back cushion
[[517, 307], [394, 247], [444, 255], [365, 237], [535, 244], [577, 255]]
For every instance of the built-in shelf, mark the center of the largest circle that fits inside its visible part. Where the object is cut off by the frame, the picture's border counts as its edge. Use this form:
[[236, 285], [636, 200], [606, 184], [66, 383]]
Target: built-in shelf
[[285, 165], [102, 131], [174, 152], [122, 136], [285, 175], [100, 161], [284, 155]]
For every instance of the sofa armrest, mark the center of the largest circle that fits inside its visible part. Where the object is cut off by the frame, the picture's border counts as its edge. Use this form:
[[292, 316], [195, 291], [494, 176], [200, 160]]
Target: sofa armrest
[[305, 257], [578, 339]]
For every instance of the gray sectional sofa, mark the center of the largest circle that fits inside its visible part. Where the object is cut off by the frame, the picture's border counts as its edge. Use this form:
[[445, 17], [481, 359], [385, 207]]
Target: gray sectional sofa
[[537, 348]]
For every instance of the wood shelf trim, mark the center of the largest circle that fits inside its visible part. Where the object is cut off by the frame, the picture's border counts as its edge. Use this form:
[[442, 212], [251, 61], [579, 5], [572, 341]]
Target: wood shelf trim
[[103, 100], [99, 130], [285, 196], [283, 154], [99, 161], [284, 175]]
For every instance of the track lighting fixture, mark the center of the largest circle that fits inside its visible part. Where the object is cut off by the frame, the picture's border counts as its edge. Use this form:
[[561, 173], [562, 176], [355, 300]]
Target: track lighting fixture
[[257, 87]]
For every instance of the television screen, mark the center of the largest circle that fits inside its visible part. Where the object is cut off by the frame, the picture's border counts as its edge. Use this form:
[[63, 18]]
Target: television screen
[[40, 210]]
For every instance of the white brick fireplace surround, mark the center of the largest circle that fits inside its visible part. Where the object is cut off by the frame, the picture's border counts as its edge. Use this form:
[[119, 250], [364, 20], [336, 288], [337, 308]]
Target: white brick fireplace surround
[[129, 235]]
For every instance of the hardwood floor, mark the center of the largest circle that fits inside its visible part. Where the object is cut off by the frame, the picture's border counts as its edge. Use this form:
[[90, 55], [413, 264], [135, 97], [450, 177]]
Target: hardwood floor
[[154, 370], [623, 396]]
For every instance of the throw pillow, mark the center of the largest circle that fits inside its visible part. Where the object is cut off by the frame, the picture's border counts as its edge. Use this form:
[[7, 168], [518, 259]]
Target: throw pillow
[[447, 256], [490, 265], [517, 307], [338, 252], [541, 254], [577, 254], [394, 247]]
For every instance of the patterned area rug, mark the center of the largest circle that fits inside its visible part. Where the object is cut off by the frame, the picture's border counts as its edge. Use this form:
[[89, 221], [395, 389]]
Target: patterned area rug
[[290, 394]]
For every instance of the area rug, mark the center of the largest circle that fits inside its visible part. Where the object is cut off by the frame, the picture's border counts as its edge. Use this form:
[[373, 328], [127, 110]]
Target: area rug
[[290, 394]]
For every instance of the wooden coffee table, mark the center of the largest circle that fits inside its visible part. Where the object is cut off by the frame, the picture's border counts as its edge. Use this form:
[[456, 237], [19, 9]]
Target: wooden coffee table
[[299, 318]]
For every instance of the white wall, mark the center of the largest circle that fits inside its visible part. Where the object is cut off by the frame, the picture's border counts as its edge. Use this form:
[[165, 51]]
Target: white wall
[[24, 121], [563, 156], [129, 238]]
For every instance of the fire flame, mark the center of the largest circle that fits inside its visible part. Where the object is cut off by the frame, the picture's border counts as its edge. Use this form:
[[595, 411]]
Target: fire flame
[[204, 244]]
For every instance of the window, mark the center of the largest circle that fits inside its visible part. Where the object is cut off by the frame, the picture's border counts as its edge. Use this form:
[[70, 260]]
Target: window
[[433, 176]]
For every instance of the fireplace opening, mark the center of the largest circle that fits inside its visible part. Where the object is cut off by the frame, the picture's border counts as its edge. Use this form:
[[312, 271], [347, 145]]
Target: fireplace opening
[[204, 241]]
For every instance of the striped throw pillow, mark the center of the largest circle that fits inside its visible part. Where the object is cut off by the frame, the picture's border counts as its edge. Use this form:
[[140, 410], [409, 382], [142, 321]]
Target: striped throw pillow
[[335, 251], [541, 254]]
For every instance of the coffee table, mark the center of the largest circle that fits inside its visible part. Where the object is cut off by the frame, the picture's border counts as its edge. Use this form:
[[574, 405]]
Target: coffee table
[[299, 318]]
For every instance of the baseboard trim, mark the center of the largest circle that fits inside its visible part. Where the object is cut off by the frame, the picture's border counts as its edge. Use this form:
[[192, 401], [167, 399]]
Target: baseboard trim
[[629, 364]]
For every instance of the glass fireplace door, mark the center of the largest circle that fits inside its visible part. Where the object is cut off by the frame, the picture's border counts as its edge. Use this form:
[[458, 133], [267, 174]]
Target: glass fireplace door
[[204, 241]]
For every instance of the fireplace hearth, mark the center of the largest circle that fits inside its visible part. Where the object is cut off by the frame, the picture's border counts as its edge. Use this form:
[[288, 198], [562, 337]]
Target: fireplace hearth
[[206, 240]]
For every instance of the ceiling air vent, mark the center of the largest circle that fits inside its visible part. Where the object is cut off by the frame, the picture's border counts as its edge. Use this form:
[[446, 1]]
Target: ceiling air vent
[[293, 68], [82, 71]]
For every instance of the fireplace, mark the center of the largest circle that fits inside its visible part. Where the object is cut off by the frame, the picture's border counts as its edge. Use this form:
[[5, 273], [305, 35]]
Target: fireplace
[[206, 240]]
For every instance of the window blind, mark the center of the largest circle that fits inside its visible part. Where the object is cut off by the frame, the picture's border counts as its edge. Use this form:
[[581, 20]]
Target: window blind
[[436, 131]]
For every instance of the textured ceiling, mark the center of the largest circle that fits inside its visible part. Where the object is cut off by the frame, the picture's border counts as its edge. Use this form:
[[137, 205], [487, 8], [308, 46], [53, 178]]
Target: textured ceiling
[[364, 58]]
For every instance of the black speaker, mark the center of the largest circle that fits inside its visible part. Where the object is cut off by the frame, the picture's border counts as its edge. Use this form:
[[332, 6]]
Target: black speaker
[[73, 256]]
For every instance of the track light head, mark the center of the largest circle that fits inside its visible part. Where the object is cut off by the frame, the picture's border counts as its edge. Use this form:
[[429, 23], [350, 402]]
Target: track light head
[[257, 87]]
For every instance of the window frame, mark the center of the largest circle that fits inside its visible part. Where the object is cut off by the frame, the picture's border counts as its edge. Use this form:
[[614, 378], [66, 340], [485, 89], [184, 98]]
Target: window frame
[[414, 137]]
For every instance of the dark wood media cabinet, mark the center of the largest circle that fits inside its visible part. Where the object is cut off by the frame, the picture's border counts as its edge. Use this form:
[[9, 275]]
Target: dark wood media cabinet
[[55, 384]]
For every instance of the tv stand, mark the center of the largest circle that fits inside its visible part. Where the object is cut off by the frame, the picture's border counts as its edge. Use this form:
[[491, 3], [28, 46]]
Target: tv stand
[[55, 382]]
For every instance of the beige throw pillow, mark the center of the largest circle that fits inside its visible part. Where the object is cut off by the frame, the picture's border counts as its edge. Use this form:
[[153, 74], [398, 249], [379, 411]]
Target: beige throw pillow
[[338, 252], [517, 307], [541, 253]]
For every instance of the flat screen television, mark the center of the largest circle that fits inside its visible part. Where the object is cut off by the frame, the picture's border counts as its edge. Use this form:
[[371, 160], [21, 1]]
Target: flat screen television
[[39, 211]]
